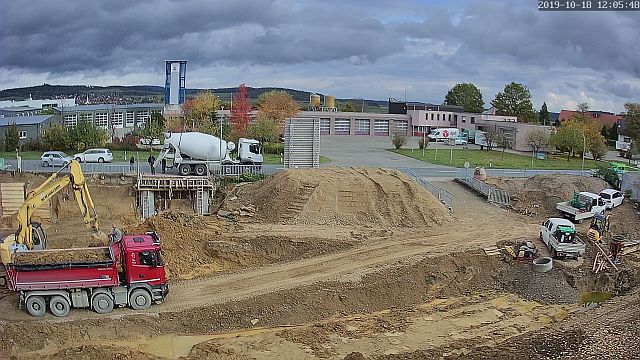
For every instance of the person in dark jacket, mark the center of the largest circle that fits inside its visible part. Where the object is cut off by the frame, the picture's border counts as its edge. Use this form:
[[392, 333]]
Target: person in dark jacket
[[152, 161], [132, 162], [164, 165]]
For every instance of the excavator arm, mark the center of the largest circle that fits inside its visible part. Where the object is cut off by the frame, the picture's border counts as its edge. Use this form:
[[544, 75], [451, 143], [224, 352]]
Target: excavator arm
[[43, 193]]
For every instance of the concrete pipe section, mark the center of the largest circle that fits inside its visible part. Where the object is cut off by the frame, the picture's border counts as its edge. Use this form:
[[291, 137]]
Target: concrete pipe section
[[542, 265]]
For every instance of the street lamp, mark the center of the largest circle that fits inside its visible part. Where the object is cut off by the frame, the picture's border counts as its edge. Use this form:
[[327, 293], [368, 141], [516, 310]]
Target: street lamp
[[584, 148]]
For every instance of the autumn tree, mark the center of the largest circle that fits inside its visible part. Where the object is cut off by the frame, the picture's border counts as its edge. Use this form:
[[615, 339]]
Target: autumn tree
[[569, 137], [277, 105], [153, 128], [515, 100], [199, 113], [11, 138], [264, 129], [631, 122], [543, 115], [56, 137], [582, 107], [504, 142], [346, 107], [466, 95], [86, 135], [491, 138], [240, 113], [537, 139]]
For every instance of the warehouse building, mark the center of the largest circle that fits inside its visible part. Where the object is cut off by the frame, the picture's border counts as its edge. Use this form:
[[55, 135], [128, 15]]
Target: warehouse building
[[29, 127], [119, 120]]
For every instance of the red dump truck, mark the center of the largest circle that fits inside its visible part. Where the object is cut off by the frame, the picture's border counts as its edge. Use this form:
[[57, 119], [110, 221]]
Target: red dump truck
[[128, 272]]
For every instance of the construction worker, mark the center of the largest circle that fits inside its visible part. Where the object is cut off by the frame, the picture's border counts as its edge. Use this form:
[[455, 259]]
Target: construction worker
[[116, 234], [594, 234], [151, 160]]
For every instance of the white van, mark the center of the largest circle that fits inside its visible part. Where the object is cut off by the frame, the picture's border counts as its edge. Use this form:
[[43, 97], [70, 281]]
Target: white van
[[443, 134], [612, 198]]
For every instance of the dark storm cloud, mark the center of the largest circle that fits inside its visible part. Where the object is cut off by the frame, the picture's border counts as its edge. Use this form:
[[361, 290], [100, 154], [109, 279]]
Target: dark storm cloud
[[513, 32], [63, 35]]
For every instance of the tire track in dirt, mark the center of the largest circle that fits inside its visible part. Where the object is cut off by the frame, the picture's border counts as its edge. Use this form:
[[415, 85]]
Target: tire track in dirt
[[349, 265]]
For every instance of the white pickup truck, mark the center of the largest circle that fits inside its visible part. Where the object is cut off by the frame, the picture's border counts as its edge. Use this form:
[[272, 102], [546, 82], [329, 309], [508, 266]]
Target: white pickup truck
[[583, 206], [559, 235]]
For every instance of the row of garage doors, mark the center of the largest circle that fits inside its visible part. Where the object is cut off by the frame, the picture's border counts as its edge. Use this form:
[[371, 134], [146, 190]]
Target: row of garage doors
[[362, 126]]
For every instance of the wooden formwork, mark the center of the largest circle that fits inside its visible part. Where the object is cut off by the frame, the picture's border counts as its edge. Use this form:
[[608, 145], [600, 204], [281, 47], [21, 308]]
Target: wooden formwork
[[12, 196]]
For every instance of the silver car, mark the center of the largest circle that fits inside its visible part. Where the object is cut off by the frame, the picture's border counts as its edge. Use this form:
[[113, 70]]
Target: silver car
[[54, 158]]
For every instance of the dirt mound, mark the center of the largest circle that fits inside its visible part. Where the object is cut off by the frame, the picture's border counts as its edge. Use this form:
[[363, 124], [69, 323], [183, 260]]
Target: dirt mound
[[343, 196], [183, 237], [61, 257], [539, 194]]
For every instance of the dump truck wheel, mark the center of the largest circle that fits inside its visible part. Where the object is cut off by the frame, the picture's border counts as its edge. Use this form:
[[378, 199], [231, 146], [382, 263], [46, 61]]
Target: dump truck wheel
[[59, 306], [36, 306], [140, 299], [102, 303]]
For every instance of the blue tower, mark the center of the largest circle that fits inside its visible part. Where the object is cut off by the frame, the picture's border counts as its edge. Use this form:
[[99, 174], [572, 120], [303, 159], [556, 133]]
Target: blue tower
[[174, 86]]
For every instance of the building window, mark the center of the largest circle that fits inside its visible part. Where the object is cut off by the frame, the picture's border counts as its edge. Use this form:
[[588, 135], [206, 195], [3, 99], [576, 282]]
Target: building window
[[455, 118], [22, 134], [401, 125], [142, 117], [438, 116], [70, 120], [464, 119], [431, 116], [449, 117], [117, 120], [325, 126], [86, 117], [102, 120], [381, 127], [155, 112], [130, 119], [363, 126], [342, 126], [473, 119]]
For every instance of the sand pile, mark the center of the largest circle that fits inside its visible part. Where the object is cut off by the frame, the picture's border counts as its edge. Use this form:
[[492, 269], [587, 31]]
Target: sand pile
[[344, 196], [539, 194], [61, 257], [183, 237]]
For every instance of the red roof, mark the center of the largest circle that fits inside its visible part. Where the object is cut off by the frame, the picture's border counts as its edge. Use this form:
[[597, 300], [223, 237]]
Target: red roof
[[606, 118]]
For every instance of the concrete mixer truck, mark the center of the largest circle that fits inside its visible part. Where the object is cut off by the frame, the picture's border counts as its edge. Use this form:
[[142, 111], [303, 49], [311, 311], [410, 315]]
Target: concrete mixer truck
[[194, 152]]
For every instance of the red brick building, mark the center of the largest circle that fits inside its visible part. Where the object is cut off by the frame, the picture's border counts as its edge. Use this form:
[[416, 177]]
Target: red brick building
[[605, 118]]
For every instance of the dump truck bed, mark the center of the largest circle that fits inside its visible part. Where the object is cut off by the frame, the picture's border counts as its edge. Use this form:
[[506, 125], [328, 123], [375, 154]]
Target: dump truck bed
[[62, 269]]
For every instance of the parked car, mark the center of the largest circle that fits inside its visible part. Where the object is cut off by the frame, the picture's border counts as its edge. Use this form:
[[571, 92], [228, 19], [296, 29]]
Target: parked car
[[612, 198], [55, 158], [94, 155], [559, 235]]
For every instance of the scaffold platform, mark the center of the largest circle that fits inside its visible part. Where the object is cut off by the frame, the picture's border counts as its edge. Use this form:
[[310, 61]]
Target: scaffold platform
[[163, 182]]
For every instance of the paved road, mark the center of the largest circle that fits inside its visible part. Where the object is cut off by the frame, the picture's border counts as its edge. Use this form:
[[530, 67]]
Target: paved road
[[364, 151]]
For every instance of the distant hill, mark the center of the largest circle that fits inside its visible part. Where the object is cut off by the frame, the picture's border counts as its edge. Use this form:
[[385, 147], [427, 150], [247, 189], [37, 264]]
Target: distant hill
[[154, 93]]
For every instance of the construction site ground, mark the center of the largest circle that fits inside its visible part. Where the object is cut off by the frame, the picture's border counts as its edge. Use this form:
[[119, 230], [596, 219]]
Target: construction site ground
[[338, 264]]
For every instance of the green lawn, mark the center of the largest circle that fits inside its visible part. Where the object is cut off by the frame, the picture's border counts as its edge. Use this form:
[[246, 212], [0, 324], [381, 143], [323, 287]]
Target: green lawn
[[510, 161], [275, 159]]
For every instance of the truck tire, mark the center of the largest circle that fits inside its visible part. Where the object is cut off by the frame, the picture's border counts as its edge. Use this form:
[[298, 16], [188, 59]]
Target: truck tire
[[59, 306], [184, 170], [542, 265], [36, 306], [102, 303], [3, 281], [200, 170], [140, 299]]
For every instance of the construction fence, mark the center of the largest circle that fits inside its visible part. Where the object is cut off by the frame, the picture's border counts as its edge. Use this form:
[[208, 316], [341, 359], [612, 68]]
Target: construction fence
[[491, 193], [441, 194]]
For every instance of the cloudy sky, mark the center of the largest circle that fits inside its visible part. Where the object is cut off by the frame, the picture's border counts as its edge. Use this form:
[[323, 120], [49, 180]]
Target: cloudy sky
[[350, 48]]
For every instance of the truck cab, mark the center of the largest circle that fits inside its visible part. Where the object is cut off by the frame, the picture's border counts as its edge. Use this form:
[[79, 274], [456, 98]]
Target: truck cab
[[143, 264], [250, 152], [559, 235]]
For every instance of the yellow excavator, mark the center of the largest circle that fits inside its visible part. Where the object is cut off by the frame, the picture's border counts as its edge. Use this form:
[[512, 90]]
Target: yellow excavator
[[30, 235]]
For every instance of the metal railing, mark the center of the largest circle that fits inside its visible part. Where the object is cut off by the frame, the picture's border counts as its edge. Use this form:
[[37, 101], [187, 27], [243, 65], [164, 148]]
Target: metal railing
[[235, 170], [491, 193], [441, 194]]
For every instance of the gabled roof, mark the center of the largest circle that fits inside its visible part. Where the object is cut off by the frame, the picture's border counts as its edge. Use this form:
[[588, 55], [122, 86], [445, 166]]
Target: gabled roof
[[24, 120]]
